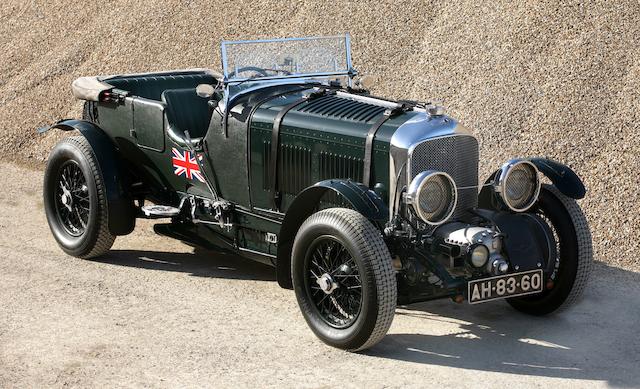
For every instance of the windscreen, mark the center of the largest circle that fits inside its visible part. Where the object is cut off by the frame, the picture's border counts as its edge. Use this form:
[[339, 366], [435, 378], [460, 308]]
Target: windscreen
[[292, 57]]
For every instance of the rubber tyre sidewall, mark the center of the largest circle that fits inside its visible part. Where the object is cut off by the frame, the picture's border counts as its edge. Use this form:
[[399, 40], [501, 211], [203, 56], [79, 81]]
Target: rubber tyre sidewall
[[358, 333], [81, 245]]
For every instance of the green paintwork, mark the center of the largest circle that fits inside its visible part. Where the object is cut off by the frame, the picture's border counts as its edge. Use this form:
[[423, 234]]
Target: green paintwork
[[318, 135], [314, 146], [148, 115]]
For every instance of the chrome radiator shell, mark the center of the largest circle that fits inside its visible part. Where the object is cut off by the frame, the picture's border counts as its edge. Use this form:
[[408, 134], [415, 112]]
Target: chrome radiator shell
[[438, 143], [456, 155]]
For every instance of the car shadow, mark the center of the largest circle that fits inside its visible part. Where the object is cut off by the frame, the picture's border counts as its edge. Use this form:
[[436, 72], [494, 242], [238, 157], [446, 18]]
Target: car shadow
[[199, 263], [595, 340]]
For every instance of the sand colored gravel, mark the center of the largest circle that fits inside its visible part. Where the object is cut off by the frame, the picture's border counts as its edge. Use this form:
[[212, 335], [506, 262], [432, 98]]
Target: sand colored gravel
[[530, 78]]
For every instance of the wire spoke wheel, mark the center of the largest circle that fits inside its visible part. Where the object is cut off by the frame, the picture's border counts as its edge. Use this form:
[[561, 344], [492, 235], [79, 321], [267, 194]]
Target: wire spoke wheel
[[342, 276], [75, 200], [333, 282], [72, 199]]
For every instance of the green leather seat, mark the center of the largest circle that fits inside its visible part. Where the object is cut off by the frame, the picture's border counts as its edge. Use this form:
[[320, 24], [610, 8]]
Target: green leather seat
[[186, 111]]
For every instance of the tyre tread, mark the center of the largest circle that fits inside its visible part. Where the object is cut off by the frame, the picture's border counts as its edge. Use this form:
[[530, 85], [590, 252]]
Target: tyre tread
[[584, 243], [104, 239], [369, 240]]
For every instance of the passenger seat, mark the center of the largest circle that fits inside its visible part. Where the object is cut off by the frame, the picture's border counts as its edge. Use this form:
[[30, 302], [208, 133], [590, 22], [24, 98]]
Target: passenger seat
[[186, 111]]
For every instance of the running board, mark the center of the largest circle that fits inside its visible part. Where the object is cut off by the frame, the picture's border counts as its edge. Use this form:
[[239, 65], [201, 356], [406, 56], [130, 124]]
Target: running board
[[159, 211]]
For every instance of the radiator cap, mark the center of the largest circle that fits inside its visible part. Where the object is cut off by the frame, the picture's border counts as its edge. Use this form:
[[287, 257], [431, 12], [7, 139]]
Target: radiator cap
[[435, 108]]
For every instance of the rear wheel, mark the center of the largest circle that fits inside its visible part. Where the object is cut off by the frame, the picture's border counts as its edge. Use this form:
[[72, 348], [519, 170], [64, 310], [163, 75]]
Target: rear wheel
[[343, 279], [572, 264], [74, 199]]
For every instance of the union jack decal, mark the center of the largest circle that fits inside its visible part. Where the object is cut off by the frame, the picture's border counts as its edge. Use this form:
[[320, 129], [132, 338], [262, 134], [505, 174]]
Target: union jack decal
[[186, 164]]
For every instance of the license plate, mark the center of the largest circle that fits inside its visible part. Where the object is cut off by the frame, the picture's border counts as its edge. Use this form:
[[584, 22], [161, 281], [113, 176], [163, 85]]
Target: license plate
[[511, 285]]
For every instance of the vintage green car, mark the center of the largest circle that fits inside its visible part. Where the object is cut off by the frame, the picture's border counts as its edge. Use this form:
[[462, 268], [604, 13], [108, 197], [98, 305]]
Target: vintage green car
[[360, 203]]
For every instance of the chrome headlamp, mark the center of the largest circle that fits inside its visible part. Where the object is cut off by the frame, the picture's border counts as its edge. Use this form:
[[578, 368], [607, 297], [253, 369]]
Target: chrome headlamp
[[518, 185], [433, 196]]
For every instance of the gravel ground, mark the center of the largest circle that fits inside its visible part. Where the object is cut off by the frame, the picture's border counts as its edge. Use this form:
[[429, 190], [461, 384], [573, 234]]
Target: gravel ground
[[153, 313], [530, 78]]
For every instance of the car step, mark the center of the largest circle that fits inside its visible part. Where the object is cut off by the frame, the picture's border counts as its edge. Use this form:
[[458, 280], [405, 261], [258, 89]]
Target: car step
[[159, 211]]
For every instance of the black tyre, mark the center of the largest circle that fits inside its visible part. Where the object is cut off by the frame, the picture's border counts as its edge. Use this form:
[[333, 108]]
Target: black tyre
[[343, 279], [574, 255], [74, 199]]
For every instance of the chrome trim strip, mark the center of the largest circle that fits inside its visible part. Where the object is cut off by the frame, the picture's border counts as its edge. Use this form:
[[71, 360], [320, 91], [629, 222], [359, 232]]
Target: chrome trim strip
[[347, 41], [223, 57], [268, 211], [257, 252], [289, 76], [248, 212], [273, 40], [368, 100]]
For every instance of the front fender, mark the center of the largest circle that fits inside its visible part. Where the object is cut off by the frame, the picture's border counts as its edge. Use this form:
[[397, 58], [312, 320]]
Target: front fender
[[358, 196], [562, 177], [121, 210]]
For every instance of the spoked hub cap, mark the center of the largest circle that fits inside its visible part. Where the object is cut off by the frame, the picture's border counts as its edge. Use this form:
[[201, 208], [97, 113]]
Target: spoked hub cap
[[72, 199], [326, 283], [333, 282]]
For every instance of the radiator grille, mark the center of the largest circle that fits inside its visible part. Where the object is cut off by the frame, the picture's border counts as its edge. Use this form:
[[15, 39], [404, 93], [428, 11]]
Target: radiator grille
[[455, 155]]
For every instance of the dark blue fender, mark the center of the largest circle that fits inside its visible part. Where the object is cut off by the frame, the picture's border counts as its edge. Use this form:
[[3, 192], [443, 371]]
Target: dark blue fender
[[357, 195], [121, 210], [565, 179]]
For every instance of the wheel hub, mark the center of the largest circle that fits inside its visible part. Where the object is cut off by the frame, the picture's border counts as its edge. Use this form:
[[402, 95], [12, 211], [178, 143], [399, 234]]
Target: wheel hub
[[326, 283], [67, 198]]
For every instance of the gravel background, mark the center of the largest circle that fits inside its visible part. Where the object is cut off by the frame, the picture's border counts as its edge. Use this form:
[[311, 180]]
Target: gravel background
[[534, 78]]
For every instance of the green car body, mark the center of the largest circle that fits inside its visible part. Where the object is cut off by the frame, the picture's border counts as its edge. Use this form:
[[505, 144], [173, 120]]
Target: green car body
[[209, 157], [313, 148]]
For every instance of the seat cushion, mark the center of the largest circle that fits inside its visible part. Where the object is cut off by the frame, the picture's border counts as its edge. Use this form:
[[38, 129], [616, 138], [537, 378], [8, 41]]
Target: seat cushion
[[187, 111]]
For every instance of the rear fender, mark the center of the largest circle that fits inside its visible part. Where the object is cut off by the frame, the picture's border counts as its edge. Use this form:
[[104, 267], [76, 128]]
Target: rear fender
[[121, 209], [358, 196]]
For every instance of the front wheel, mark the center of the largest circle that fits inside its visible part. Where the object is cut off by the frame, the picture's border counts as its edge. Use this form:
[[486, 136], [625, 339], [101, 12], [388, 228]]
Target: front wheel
[[572, 263], [343, 279], [75, 201]]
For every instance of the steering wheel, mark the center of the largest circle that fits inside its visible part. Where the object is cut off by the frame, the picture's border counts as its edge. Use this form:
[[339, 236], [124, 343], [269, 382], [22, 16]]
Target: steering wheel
[[260, 71]]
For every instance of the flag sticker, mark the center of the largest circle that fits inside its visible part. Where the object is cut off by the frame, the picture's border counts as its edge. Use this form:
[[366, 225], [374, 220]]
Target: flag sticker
[[185, 164]]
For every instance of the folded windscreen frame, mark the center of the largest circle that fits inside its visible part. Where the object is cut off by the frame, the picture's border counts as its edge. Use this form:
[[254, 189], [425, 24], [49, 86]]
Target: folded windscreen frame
[[286, 58]]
